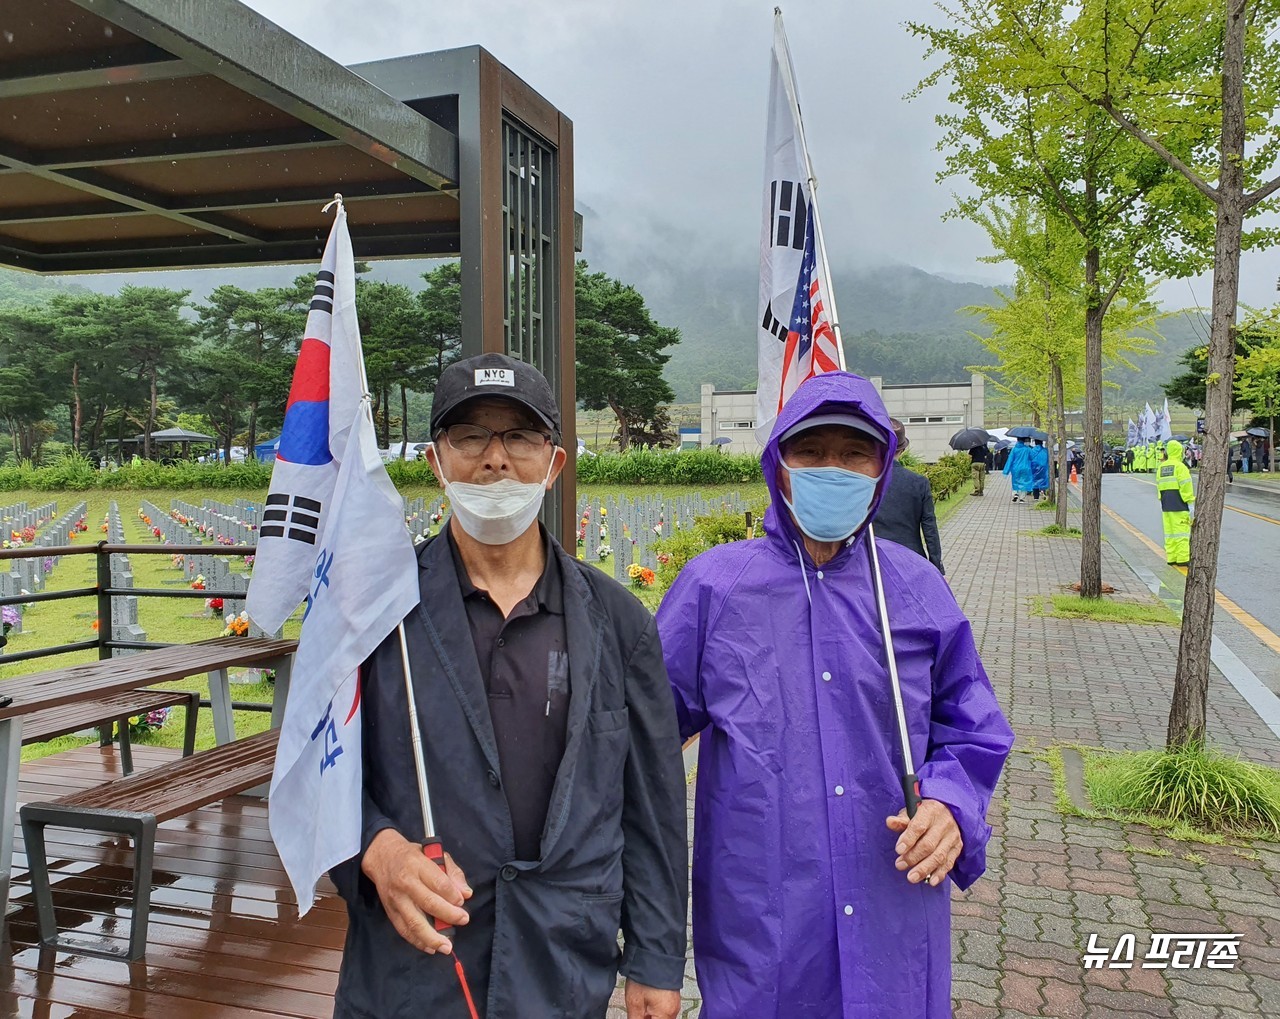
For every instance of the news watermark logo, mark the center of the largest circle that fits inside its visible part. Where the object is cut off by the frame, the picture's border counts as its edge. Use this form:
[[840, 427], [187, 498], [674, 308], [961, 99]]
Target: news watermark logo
[[1167, 951]]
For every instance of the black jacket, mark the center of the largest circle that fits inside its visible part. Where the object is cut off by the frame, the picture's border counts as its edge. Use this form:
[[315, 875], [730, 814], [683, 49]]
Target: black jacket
[[542, 941], [905, 511]]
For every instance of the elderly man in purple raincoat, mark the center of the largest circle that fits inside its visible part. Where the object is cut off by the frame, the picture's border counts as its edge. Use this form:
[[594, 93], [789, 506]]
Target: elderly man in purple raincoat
[[813, 897]]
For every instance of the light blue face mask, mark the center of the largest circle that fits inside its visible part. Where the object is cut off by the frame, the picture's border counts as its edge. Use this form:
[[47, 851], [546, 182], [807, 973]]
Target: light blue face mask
[[830, 503]]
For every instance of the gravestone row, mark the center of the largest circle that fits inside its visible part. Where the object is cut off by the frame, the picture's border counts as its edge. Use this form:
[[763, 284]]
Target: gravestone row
[[29, 576], [20, 516], [624, 530], [224, 528], [217, 570], [124, 608]]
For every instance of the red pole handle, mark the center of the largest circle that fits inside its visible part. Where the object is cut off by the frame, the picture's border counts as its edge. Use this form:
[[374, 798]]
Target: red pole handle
[[433, 850]]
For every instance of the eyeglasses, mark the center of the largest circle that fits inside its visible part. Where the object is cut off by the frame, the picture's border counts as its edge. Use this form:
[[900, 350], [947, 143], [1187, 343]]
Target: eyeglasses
[[473, 440]]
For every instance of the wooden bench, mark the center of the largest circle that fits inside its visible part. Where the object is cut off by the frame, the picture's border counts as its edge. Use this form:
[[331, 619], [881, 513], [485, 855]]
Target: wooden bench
[[51, 723], [133, 807]]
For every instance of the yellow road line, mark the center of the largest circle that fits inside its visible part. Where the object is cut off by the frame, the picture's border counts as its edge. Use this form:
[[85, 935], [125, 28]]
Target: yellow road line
[[1254, 626], [1233, 509]]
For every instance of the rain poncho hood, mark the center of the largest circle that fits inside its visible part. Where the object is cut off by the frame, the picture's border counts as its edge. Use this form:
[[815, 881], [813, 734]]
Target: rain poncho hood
[[779, 664], [1173, 450], [831, 392]]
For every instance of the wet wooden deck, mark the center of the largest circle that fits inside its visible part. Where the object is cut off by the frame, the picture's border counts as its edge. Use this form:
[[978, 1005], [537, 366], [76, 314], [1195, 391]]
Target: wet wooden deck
[[225, 940]]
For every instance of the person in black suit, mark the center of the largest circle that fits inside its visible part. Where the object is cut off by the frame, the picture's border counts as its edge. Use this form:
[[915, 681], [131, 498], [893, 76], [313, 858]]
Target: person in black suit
[[906, 511]]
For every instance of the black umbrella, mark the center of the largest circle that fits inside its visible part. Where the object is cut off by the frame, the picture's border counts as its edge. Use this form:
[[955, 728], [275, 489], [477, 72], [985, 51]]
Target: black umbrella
[[1180, 438], [1261, 433], [1036, 433], [967, 438], [1022, 432]]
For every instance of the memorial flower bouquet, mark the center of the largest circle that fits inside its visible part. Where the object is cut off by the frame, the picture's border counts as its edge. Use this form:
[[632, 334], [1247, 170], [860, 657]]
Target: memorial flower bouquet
[[641, 576], [10, 617], [198, 583], [604, 552], [140, 725], [237, 626]]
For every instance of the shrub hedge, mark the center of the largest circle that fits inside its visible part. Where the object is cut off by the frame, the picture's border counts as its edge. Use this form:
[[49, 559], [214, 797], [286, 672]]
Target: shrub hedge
[[73, 472]]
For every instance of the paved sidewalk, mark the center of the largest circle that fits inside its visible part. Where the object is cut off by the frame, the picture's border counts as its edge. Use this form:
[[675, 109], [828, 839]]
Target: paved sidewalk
[[1020, 932]]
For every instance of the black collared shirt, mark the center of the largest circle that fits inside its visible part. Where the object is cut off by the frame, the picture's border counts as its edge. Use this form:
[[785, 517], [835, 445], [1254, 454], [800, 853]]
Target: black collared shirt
[[524, 660]]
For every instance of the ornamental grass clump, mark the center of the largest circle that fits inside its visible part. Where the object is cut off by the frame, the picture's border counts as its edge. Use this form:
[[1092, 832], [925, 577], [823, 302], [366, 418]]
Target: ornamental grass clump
[[1192, 784]]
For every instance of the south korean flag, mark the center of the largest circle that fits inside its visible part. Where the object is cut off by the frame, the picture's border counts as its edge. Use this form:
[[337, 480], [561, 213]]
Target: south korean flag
[[328, 384]]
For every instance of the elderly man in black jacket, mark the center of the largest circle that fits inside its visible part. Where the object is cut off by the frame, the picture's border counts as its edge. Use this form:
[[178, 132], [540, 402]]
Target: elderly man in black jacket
[[551, 746], [906, 511]]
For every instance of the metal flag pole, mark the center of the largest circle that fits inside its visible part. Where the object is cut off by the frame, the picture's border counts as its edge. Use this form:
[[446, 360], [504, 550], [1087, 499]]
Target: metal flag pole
[[432, 848], [910, 781], [783, 50]]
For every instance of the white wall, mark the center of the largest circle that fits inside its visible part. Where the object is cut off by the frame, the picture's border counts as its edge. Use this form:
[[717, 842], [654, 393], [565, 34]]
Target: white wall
[[931, 413]]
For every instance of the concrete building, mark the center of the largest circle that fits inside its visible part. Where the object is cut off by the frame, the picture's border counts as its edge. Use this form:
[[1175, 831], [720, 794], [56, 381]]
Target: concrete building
[[729, 415], [932, 412]]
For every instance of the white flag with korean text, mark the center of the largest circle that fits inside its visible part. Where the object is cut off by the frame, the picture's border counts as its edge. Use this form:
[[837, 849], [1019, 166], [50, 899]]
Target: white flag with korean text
[[364, 581]]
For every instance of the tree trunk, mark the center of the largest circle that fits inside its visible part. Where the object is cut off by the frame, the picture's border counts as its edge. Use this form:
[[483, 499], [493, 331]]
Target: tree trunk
[[95, 432], [249, 453], [1191, 680], [404, 422], [151, 415], [76, 413], [1060, 426], [624, 433], [386, 417], [1091, 482]]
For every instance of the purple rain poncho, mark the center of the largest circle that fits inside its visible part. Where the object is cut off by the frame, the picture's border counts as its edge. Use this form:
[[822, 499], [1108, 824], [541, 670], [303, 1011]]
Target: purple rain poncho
[[798, 910]]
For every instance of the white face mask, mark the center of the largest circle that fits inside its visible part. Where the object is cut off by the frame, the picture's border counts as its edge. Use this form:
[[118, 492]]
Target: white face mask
[[499, 513]]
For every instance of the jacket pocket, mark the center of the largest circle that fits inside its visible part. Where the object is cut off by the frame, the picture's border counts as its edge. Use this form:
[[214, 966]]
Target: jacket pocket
[[607, 721], [598, 925]]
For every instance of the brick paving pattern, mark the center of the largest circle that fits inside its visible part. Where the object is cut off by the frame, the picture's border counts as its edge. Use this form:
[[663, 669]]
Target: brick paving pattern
[[1019, 933]]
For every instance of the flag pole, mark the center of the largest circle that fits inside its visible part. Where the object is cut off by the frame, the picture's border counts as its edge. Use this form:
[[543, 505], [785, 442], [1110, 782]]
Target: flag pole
[[783, 49], [910, 781], [415, 735]]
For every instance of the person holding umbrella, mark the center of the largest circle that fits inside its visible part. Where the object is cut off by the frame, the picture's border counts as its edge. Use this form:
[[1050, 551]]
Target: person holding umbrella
[[1039, 469], [1019, 466], [975, 441], [831, 676], [551, 744]]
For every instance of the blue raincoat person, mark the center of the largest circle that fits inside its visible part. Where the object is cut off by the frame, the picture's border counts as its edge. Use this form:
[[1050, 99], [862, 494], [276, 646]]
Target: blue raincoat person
[[1020, 468], [1039, 468], [802, 908]]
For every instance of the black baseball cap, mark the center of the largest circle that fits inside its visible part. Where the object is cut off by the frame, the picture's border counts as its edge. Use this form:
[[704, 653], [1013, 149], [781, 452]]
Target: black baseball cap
[[494, 375]]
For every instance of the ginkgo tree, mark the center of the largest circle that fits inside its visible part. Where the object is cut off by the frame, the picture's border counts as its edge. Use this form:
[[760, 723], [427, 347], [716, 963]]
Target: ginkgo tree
[[1037, 330]]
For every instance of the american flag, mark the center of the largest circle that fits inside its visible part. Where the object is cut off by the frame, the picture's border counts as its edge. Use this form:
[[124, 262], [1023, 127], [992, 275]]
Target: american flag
[[812, 347]]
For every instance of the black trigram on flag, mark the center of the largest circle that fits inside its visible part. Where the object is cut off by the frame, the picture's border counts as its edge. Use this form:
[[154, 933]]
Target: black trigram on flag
[[322, 300], [295, 517], [788, 217]]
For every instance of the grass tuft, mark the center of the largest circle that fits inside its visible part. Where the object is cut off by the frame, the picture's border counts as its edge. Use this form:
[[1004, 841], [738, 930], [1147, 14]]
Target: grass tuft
[[1071, 606], [1193, 785], [1054, 531]]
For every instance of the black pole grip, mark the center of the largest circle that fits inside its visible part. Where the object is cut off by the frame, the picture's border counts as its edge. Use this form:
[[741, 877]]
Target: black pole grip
[[911, 793], [433, 850]]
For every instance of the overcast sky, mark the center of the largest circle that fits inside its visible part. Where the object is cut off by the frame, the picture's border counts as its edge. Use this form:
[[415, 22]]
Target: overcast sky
[[668, 104]]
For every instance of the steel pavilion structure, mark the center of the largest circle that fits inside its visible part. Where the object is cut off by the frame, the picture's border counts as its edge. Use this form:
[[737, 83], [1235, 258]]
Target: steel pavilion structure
[[148, 134]]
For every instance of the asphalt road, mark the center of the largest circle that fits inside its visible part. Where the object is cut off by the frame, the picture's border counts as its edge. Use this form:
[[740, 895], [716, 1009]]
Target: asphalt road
[[1249, 557]]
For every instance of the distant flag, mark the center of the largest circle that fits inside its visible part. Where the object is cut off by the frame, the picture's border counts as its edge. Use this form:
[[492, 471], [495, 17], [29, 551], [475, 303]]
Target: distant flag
[[328, 384], [364, 581], [798, 331], [1131, 439], [1149, 425], [1166, 427]]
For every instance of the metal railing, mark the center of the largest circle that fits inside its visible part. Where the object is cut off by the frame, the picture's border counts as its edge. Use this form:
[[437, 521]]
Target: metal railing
[[104, 592]]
